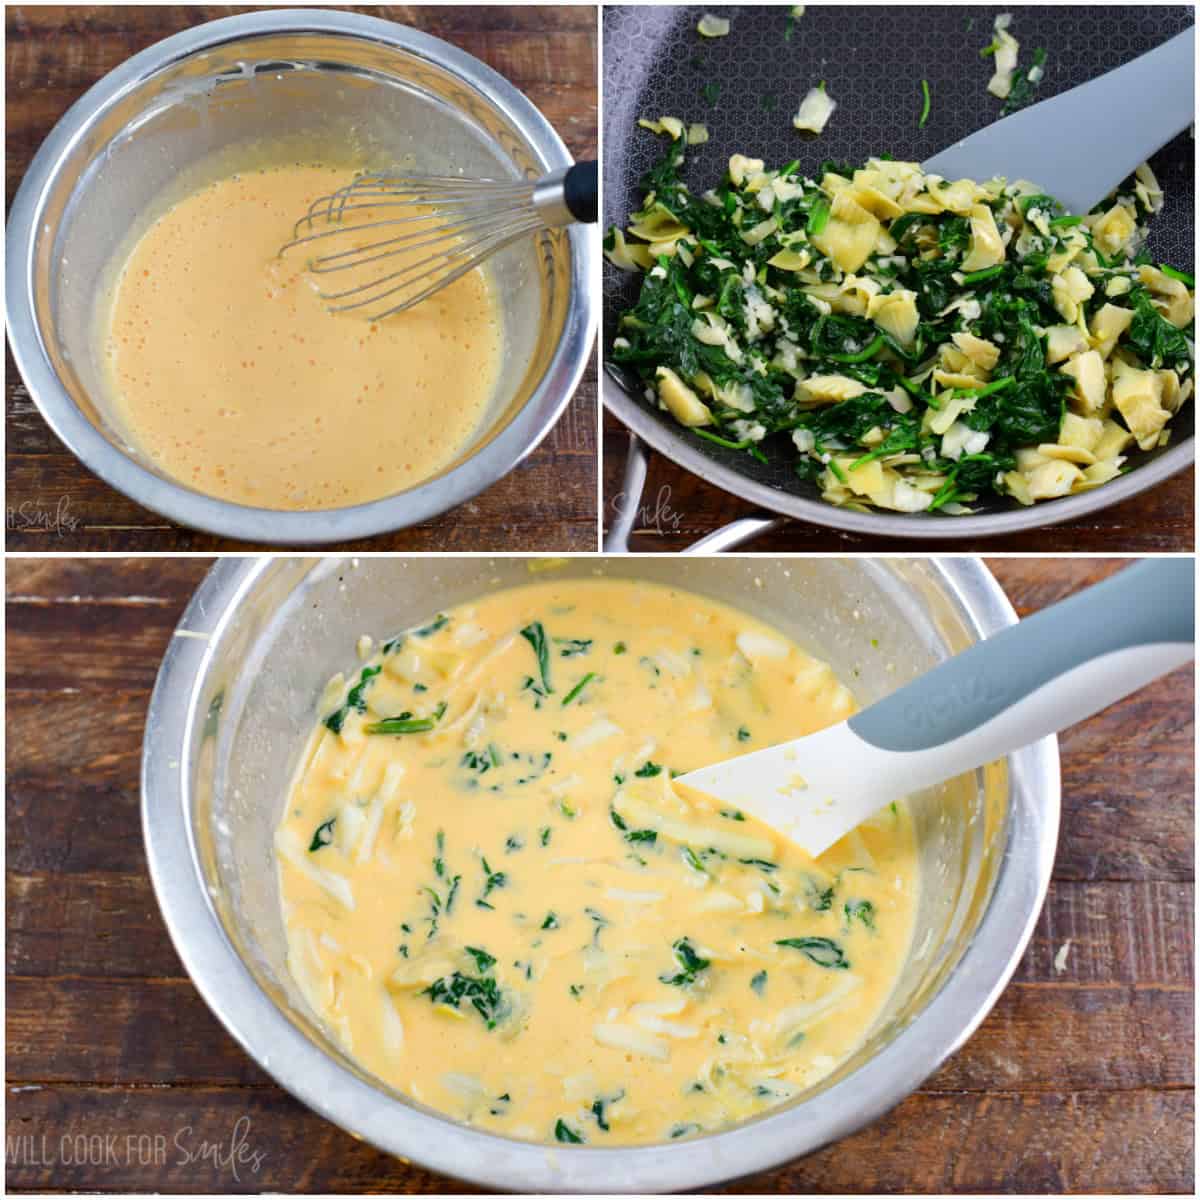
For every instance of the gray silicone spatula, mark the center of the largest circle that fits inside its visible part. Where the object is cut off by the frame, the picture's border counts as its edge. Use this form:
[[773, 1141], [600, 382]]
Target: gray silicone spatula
[[1033, 679], [1080, 145]]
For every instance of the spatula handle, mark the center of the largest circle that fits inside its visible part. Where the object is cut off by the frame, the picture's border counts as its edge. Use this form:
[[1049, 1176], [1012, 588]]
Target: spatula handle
[[1039, 676]]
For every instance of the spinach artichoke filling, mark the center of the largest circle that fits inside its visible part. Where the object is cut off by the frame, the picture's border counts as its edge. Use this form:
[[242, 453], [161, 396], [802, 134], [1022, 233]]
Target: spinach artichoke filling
[[924, 344]]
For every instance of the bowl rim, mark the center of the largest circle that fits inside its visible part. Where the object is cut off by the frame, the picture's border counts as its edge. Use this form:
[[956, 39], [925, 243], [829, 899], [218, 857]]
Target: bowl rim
[[494, 459], [674, 446], [490, 1160]]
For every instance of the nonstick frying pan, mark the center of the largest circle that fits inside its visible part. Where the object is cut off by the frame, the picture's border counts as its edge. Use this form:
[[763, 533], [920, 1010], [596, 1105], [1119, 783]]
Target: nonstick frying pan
[[745, 88]]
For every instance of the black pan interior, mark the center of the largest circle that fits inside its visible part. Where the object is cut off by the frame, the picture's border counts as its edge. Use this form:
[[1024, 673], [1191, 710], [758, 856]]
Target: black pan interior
[[872, 60]]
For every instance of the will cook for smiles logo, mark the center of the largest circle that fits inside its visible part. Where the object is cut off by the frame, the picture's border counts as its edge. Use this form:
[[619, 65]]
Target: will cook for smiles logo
[[235, 1154], [38, 516]]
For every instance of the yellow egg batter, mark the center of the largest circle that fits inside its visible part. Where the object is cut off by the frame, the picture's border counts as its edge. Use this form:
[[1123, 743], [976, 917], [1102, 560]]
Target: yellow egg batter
[[498, 904], [227, 371]]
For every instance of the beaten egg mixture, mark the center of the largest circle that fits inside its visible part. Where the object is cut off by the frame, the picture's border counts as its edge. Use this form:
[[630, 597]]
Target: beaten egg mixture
[[497, 903], [226, 369]]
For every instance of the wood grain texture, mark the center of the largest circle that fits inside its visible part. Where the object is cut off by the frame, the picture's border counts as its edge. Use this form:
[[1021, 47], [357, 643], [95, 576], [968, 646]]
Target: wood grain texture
[[53, 54], [678, 508], [1079, 1080], [1004, 1141]]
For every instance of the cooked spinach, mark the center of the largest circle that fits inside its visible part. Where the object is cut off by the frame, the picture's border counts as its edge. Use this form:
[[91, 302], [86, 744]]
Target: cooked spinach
[[825, 952], [405, 722], [599, 1109], [564, 1133], [483, 960], [690, 964], [646, 837], [1157, 342], [481, 992], [572, 647], [355, 700], [599, 924], [492, 881], [860, 910], [1025, 82], [322, 836], [575, 692], [535, 634], [439, 622], [820, 899]]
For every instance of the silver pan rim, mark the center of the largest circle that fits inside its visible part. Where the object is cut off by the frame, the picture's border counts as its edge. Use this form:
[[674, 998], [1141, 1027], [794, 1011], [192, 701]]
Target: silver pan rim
[[636, 418]]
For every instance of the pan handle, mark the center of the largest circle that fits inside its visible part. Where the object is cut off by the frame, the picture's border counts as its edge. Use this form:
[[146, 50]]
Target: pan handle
[[629, 498], [737, 532]]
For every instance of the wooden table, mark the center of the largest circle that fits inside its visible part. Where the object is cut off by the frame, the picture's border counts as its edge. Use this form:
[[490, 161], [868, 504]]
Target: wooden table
[[54, 54], [1080, 1080], [678, 508]]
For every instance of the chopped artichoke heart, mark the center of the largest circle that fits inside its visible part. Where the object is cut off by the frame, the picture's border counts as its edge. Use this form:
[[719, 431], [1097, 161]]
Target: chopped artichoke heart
[[987, 248], [1137, 395], [1147, 188], [828, 389], [740, 167], [1172, 296], [790, 260], [1081, 432], [923, 342], [1070, 289], [628, 257], [682, 403], [760, 232], [711, 26], [960, 197], [1114, 440], [656, 224], [1007, 48], [979, 350], [849, 235], [669, 125], [1114, 230], [1089, 383], [815, 110], [1062, 341], [1052, 478], [896, 313], [1108, 324]]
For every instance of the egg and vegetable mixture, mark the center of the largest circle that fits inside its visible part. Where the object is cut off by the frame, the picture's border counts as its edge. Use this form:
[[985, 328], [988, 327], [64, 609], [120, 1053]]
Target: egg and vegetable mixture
[[924, 344], [496, 901]]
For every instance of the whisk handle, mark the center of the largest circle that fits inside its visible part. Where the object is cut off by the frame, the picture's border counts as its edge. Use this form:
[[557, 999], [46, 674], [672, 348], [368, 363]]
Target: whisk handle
[[580, 187]]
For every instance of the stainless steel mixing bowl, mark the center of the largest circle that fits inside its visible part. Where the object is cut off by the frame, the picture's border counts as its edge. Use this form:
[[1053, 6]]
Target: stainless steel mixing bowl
[[236, 697], [281, 84]]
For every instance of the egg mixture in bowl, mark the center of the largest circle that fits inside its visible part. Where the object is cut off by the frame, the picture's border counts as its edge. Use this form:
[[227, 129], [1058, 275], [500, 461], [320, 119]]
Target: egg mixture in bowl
[[484, 850], [227, 368], [180, 358], [452, 902]]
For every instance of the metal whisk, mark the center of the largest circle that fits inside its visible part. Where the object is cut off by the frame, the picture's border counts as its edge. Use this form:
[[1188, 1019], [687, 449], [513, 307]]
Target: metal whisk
[[439, 227]]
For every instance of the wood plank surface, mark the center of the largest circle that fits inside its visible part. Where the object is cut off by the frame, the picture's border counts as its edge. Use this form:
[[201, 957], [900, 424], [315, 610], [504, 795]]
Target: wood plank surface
[[1080, 1079], [53, 54], [678, 508]]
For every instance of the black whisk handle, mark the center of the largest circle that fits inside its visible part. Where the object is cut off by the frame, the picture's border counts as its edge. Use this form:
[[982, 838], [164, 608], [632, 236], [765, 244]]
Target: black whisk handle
[[580, 189]]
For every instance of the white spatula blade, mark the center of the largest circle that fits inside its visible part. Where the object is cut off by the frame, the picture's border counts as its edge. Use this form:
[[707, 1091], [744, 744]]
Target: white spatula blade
[[810, 790]]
